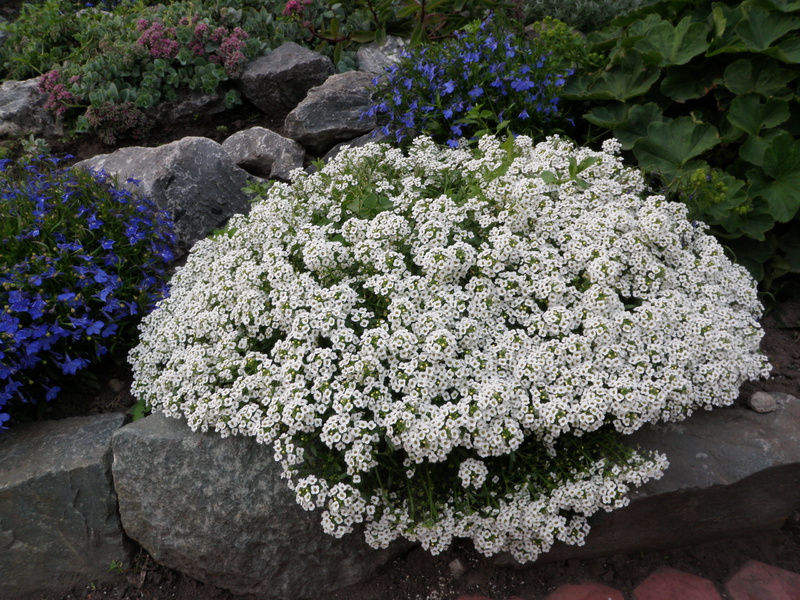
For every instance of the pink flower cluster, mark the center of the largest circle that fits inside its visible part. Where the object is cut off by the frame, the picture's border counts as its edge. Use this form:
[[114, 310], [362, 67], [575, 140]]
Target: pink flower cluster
[[159, 39], [59, 98], [295, 7], [229, 47], [230, 52]]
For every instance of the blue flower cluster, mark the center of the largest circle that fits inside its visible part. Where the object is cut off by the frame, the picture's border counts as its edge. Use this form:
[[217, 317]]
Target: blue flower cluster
[[478, 83], [79, 261]]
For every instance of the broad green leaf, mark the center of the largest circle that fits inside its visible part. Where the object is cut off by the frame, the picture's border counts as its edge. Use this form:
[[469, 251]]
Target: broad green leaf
[[608, 116], [764, 77], [635, 127], [686, 83], [625, 80], [781, 5], [761, 28], [787, 51], [753, 149], [750, 115], [789, 244], [676, 45], [669, 146], [780, 180]]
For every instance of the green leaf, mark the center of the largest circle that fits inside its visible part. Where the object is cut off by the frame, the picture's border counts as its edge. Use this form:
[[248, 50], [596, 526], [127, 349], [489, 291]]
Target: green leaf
[[782, 5], [764, 77], [669, 146], [639, 119], [380, 36], [780, 180], [676, 45], [625, 80], [789, 244], [363, 37], [753, 149], [687, 83], [761, 28], [608, 115], [787, 51], [751, 116]]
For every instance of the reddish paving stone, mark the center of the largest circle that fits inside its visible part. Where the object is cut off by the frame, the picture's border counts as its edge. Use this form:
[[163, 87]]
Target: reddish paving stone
[[671, 584], [759, 581], [585, 591]]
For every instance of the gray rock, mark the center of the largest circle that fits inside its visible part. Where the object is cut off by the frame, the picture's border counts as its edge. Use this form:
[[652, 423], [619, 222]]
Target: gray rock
[[762, 402], [193, 179], [363, 140], [217, 510], [264, 153], [732, 472], [332, 112], [191, 105], [374, 58], [22, 110], [58, 512], [277, 82]]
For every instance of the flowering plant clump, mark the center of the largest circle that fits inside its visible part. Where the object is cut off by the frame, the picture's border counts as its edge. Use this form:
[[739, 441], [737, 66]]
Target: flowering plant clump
[[448, 342], [478, 83], [79, 260]]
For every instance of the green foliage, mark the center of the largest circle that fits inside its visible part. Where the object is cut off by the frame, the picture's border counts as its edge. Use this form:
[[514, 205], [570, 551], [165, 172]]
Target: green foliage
[[704, 95], [340, 25], [585, 15], [44, 35]]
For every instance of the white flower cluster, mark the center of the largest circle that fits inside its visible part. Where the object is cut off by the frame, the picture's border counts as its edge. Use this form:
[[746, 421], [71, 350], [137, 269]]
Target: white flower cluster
[[446, 302]]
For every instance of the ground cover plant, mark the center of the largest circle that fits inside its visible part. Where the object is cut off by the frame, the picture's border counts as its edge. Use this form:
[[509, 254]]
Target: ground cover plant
[[446, 343], [481, 82], [704, 95], [584, 15], [80, 261]]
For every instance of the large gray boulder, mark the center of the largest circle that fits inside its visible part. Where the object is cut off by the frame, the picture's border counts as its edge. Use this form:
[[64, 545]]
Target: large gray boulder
[[277, 82], [217, 510], [264, 153], [58, 512], [732, 472], [193, 179], [376, 58], [332, 112], [22, 110]]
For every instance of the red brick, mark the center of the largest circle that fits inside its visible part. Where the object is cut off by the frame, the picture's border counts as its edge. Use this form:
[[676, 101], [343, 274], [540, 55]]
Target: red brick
[[759, 581], [671, 584], [585, 591]]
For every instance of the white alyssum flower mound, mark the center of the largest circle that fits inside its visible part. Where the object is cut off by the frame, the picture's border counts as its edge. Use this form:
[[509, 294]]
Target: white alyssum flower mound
[[447, 344]]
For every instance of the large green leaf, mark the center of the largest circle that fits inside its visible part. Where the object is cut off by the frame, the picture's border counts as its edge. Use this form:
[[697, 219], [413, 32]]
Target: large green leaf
[[676, 45], [781, 5], [687, 83], [779, 182], [762, 28], [669, 146], [789, 244], [638, 120], [753, 149], [608, 115], [787, 51], [762, 76], [627, 79], [750, 115]]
